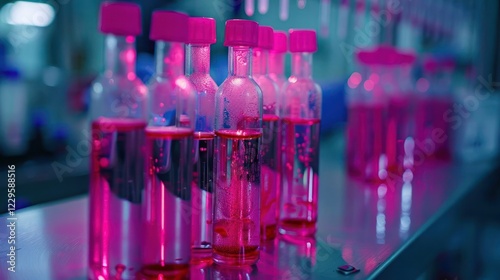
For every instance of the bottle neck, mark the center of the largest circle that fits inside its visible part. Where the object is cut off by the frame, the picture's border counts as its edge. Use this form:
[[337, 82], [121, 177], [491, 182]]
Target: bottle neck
[[197, 59], [302, 65], [260, 61], [169, 59], [120, 55], [240, 61], [277, 63]]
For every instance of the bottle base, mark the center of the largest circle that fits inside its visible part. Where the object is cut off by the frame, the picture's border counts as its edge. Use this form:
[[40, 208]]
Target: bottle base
[[235, 258], [97, 272], [201, 255], [297, 227], [168, 271], [268, 232]]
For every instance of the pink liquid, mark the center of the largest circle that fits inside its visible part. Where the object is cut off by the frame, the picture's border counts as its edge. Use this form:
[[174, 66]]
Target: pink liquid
[[237, 217], [116, 186], [373, 143], [430, 116], [424, 119], [399, 134], [202, 200], [441, 105], [355, 138], [269, 178], [299, 171], [167, 211]]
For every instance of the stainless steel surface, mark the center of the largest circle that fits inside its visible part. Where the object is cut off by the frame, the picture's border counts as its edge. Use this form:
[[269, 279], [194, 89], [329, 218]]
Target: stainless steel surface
[[379, 228]]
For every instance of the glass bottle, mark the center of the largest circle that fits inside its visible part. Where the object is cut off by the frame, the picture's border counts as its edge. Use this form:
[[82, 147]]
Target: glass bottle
[[356, 122], [374, 118], [269, 179], [398, 110], [201, 35], [118, 116], [300, 115], [238, 127], [169, 143], [427, 113], [400, 116], [277, 58]]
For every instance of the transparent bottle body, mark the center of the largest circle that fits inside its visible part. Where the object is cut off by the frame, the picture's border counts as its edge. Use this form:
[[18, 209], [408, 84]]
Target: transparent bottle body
[[118, 116], [356, 128], [374, 123], [400, 123], [169, 168], [300, 126], [238, 126], [355, 138], [166, 244], [198, 72], [431, 118], [270, 175], [442, 104], [365, 130], [432, 122], [368, 142], [373, 120]]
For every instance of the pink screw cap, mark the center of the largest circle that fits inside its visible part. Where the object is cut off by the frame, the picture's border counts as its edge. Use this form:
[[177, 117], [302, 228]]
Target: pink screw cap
[[303, 40], [169, 26], [266, 38], [366, 57], [241, 32], [408, 58], [386, 55], [280, 42], [119, 18], [201, 30]]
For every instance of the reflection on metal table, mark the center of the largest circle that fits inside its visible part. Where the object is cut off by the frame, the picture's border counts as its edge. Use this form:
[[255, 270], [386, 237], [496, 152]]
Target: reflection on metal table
[[380, 229]]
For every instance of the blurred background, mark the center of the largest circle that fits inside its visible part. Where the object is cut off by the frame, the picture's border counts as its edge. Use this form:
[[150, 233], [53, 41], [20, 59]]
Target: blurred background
[[50, 51]]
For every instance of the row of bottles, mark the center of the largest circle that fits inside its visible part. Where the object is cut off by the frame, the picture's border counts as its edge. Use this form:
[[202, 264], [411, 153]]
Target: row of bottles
[[394, 123], [412, 16], [186, 172]]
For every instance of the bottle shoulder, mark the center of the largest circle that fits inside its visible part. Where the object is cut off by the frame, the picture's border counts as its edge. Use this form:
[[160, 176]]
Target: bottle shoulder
[[118, 96], [117, 85], [294, 84], [267, 85], [203, 82], [235, 84], [111, 80], [167, 84]]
